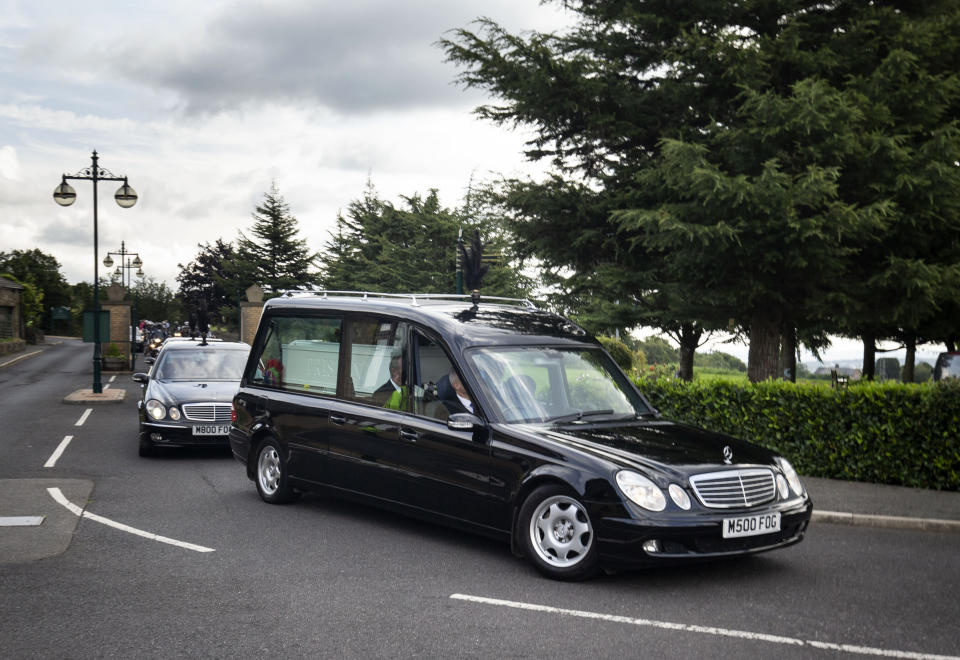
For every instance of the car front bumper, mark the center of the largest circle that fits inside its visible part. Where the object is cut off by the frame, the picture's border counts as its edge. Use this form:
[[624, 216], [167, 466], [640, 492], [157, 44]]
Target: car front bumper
[[684, 537], [168, 434]]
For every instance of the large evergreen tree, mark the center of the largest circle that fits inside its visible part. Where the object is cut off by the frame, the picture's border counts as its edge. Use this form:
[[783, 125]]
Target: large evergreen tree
[[714, 160], [216, 276], [277, 259], [412, 248]]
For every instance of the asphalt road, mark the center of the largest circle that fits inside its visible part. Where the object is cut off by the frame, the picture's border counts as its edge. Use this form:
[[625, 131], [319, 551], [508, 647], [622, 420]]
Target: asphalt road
[[227, 576]]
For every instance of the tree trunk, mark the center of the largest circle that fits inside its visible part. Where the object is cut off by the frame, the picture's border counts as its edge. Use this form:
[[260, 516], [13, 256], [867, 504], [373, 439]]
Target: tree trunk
[[764, 351], [689, 340], [869, 357], [910, 362], [788, 355]]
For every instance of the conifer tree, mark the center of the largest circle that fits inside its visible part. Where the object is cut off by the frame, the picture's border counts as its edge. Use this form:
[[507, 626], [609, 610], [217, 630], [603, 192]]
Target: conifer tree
[[273, 256], [774, 166], [411, 248]]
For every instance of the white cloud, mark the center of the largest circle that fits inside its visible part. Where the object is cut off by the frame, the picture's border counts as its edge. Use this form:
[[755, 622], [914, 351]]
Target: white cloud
[[318, 96], [9, 164]]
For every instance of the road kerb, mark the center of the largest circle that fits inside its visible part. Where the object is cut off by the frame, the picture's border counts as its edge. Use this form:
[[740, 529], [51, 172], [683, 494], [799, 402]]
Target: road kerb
[[18, 358], [887, 522]]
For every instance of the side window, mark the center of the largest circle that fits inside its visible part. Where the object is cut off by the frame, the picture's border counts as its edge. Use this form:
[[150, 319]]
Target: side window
[[437, 391], [301, 354], [377, 373]]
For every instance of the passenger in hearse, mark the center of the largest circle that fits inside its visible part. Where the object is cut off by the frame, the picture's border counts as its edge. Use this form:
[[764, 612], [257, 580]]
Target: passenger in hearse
[[393, 393]]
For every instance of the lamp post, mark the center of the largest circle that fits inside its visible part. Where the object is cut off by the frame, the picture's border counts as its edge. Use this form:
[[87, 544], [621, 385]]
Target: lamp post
[[65, 195], [125, 264]]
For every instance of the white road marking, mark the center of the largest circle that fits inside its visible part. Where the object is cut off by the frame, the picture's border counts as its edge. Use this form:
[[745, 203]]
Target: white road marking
[[55, 456], [59, 497], [724, 632], [83, 417], [112, 378], [107, 386], [21, 521]]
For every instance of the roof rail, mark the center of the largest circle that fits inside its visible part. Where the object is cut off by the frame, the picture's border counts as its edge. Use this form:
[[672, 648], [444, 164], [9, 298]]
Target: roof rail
[[412, 297]]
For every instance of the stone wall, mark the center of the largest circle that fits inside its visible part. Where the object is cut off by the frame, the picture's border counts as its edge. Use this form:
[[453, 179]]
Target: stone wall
[[7, 347], [10, 302]]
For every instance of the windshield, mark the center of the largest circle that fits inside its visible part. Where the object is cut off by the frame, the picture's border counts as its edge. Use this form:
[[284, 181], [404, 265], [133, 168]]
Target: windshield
[[546, 384], [201, 364]]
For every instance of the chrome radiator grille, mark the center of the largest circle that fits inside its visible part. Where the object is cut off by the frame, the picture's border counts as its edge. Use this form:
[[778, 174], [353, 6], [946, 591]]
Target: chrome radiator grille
[[207, 412], [734, 488]]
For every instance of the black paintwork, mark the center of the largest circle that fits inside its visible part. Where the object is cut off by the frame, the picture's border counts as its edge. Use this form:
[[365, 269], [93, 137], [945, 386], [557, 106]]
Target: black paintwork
[[478, 479]]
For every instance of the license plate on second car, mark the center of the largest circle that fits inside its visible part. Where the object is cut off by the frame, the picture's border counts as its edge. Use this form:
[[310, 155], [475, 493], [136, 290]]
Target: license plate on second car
[[211, 429], [763, 523]]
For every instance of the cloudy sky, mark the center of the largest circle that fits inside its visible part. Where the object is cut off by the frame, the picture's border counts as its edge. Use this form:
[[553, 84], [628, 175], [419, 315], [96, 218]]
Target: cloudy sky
[[204, 104]]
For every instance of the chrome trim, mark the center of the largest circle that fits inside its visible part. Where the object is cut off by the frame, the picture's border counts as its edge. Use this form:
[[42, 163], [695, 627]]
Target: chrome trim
[[735, 489], [412, 297], [206, 412]]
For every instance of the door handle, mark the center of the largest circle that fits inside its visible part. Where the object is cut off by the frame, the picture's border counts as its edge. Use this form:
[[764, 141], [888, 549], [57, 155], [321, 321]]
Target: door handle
[[409, 436], [337, 419]]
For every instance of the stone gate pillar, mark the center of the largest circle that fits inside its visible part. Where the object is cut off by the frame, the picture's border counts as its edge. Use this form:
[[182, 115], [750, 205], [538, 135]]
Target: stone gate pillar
[[250, 311], [119, 310]]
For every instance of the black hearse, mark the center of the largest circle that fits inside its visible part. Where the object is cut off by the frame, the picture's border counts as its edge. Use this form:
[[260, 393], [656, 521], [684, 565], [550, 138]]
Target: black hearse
[[501, 419]]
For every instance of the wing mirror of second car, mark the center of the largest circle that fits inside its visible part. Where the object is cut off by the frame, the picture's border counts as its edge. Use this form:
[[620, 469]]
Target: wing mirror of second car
[[143, 379]]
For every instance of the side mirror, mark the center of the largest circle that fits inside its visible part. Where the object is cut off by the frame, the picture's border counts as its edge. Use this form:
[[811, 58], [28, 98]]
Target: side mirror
[[467, 422], [143, 379], [149, 360]]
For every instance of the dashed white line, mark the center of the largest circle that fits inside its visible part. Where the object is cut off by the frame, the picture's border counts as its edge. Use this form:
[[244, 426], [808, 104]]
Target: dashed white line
[[21, 521], [83, 417], [61, 499], [55, 456], [724, 632], [112, 378]]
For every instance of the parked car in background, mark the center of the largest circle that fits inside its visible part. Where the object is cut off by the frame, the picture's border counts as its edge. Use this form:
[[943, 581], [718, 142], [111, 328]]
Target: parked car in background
[[185, 398], [947, 366], [497, 418]]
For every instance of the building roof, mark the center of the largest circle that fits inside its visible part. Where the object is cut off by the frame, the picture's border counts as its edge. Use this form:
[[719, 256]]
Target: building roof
[[9, 284]]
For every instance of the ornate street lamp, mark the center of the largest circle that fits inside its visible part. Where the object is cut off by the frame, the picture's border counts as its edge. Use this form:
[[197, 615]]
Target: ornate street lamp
[[125, 265], [65, 195]]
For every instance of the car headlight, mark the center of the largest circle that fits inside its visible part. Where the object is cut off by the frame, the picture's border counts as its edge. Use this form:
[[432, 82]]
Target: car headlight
[[791, 476], [641, 490], [156, 409], [679, 497], [174, 413], [782, 487]]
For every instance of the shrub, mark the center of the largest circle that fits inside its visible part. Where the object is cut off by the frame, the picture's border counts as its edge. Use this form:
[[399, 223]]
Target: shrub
[[881, 433], [619, 351], [113, 351]]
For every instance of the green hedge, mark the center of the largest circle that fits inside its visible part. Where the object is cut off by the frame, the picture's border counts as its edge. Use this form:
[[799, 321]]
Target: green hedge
[[881, 433]]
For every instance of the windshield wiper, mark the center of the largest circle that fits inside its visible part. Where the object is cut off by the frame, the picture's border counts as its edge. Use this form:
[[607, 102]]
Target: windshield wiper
[[579, 415]]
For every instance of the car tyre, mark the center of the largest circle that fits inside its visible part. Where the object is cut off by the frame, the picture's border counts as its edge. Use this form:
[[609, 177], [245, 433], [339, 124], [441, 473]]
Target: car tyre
[[557, 535], [146, 447], [270, 474]]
